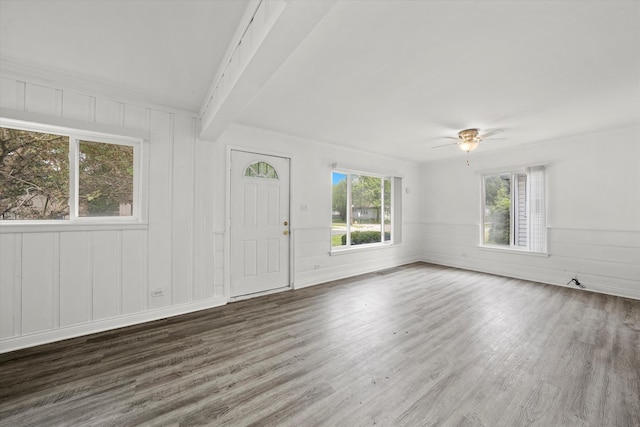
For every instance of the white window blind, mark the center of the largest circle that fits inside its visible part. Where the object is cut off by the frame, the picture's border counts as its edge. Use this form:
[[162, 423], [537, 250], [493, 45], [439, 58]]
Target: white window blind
[[538, 220]]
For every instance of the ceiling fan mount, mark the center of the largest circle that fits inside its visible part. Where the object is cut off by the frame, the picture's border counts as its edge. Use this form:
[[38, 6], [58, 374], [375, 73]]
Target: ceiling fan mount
[[469, 135]]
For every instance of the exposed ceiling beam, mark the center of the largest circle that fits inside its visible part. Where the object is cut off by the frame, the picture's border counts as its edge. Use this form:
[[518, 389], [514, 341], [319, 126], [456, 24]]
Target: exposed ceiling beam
[[270, 32]]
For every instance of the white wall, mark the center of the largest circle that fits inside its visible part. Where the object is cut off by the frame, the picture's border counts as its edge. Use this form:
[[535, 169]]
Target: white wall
[[311, 186], [593, 212], [58, 282]]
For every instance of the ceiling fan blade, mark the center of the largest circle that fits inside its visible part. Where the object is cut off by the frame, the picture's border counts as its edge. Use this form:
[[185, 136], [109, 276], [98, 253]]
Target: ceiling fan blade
[[445, 145], [495, 139], [451, 137], [490, 132]]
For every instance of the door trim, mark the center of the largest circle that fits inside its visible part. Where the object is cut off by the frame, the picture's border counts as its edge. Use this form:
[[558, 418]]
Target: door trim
[[227, 223]]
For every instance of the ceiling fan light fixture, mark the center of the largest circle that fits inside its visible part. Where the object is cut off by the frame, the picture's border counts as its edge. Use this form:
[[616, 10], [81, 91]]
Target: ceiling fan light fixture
[[468, 146], [469, 139]]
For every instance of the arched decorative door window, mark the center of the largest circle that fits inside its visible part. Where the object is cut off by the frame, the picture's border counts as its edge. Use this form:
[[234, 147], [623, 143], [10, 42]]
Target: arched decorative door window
[[260, 170]]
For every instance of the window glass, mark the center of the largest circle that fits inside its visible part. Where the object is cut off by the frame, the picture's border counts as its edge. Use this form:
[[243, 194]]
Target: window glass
[[261, 170], [34, 175], [361, 210], [365, 209], [105, 184], [497, 204], [50, 173], [387, 210], [514, 210], [339, 214]]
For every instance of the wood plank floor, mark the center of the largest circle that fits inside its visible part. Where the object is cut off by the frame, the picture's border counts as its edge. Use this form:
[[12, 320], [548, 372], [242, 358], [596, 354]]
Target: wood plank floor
[[415, 345]]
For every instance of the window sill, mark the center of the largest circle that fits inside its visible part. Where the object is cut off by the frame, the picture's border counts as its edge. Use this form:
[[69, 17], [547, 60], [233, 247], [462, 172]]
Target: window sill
[[62, 226], [513, 251], [362, 248]]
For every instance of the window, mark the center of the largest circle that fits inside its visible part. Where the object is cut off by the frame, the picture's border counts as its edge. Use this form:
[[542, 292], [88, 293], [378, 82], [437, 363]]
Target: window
[[261, 170], [514, 213], [361, 210], [49, 173]]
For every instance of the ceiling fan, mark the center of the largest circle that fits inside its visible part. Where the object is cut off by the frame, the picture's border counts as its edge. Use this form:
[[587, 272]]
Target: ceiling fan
[[469, 139]]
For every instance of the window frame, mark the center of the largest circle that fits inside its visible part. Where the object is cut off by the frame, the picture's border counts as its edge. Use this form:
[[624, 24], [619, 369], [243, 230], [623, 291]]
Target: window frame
[[514, 173], [76, 135], [365, 246]]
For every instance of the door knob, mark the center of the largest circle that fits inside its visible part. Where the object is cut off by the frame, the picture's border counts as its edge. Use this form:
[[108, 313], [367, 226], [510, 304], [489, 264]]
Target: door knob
[[285, 232], [286, 223]]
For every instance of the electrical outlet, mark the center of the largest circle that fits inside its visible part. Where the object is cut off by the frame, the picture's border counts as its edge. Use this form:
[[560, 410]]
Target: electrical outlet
[[316, 267], [157, 292], [304, 208]]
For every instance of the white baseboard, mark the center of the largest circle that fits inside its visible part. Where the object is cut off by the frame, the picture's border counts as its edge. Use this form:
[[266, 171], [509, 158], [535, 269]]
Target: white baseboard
[[16, 343], [318, 277]]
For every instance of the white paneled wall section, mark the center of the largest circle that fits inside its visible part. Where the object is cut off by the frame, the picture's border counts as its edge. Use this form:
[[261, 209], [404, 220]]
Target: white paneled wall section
[[593, 212], [58, 282]]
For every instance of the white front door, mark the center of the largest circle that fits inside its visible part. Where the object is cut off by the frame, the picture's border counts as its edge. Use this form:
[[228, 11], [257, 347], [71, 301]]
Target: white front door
[[259, 223]]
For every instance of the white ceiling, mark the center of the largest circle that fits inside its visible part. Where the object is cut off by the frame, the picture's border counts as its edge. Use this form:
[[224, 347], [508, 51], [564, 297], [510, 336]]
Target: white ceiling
[[395, 76], [166, 51], [392, 77]]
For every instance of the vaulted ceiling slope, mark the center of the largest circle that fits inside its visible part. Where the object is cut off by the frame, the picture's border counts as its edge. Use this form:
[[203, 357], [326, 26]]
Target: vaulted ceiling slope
[[392, 77], [163, 51]]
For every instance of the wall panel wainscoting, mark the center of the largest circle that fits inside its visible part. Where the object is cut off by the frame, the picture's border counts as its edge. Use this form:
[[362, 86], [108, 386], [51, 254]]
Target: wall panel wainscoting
[[63, 280], [412, 345], [597, 242], [606, 261]]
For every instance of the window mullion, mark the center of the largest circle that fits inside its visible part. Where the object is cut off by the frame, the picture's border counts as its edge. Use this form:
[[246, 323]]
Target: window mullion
[[392, 205], [74, 173], [512, 211], [381, 211], [348, 210], [137, 196]]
